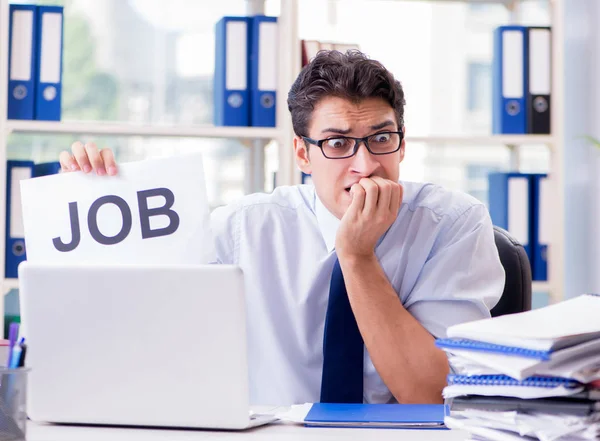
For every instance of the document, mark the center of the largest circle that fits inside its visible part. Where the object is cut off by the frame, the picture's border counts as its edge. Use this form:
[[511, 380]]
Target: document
[[154, 211], [551, 328]]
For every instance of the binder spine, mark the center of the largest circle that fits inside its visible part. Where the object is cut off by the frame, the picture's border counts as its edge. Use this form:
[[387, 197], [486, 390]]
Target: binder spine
[[472, 345], [510, 205], [509, 80], [219, 92], [539, 95], [231, 94], [497, 83], [21, 62], [49, 57], [263, 71], [540, 234], [15, 251], [505, 380], [47, 168]]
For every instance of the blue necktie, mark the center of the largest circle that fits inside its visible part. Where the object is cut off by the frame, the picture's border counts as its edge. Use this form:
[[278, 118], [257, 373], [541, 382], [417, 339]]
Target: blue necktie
[[343, 347]]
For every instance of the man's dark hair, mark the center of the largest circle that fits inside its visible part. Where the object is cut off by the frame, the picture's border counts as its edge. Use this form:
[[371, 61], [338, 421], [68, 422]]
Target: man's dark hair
[[351, 75]]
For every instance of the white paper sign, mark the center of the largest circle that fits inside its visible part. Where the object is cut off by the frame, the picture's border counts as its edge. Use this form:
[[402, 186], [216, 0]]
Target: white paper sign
[[153, 212]]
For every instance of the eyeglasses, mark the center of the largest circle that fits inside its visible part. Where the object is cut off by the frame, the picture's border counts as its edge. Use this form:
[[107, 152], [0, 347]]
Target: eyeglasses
[[340, 147]]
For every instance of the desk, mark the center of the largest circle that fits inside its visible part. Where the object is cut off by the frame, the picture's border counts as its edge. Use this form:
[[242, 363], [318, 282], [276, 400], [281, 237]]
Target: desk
[[276, 431]]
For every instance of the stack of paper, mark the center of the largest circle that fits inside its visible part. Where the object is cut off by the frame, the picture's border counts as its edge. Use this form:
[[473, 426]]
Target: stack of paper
[[535, 374]]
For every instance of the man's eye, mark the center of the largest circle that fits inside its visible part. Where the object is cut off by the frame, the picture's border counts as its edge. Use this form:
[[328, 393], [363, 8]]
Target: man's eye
[[337, 143], [382, 137]]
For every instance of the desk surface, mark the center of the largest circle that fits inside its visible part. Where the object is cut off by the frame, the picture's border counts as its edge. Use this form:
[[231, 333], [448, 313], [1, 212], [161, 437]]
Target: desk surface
[[278, 431]]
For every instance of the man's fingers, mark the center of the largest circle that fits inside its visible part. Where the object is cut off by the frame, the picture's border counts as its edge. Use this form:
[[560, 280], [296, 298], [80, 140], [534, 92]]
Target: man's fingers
[[67, 162], [385, 192], [109, 161], [81, 157], [95, 159], [372, 194], [358, 199]]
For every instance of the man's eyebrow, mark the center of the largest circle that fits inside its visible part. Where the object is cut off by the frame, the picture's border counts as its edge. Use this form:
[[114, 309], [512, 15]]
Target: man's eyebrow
[[387, 123], [334, 130]]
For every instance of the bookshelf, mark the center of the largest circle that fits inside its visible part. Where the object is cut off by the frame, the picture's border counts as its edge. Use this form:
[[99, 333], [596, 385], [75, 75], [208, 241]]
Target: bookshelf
[[287, 173], [554, 287]]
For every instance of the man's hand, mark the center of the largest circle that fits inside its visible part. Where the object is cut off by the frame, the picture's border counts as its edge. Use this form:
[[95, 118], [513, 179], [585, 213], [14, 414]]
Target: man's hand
[[374, 208], [88, 158]]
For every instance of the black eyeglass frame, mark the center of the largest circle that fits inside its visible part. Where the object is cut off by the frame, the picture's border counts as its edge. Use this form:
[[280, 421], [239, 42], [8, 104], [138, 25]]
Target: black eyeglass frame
[[357, 142]]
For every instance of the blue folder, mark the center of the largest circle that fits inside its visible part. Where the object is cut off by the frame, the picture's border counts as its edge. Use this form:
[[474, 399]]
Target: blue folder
[[510, 67], [540, 221], [263, 71], [46, 168], [510, 198], [231, 91], [48, 82], [21, 61], [407, 416], [15, 252]]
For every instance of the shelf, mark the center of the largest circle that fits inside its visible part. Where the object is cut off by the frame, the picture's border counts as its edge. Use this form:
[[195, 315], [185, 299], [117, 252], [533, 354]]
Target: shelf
[[133, 129], [484, 140], [541, 287]]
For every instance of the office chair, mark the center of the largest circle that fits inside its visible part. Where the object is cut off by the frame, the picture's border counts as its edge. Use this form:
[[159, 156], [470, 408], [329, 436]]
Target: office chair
[[517, 288]]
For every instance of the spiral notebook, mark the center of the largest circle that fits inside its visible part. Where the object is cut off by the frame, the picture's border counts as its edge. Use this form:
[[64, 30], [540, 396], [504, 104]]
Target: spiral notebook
[[503, 385], [474, 345], [505, 380], [580, 362]]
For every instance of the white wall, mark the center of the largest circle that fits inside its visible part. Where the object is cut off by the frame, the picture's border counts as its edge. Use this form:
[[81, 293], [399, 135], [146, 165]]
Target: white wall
[[581, 161]]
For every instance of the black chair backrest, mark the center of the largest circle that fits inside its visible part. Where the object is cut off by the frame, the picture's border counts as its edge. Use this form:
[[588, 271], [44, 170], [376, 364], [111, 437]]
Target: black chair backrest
[[517, 288]]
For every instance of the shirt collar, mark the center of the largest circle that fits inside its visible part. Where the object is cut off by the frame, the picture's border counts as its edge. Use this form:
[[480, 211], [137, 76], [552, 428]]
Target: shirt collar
[[328, 223]]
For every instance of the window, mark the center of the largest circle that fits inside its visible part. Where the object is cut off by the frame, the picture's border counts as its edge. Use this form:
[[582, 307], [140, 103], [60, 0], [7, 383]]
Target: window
[[144, 61], [479, 87], [224, 160]]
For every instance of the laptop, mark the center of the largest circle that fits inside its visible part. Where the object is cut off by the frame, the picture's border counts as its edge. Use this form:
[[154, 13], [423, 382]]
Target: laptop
[[137, 345]]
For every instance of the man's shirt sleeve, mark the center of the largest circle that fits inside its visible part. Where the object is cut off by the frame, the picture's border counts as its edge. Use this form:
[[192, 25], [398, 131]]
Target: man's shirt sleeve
[[223, 221], [463, 278]]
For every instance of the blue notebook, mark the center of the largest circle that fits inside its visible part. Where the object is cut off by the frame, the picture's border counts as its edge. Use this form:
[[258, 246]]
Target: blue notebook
[[408, 416]]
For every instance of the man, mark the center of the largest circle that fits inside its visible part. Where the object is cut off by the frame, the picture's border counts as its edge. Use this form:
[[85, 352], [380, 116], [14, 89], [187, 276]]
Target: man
[[415, 258]]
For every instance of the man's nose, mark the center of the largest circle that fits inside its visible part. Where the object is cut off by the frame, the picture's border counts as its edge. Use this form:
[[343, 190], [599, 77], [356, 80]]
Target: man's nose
[[364, 162]]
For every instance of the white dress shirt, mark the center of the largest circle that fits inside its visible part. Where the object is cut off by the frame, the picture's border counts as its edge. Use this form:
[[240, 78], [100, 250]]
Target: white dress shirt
[[439, 255]]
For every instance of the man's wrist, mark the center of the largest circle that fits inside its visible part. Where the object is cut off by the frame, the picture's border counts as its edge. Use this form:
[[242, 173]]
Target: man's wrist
[[353, 259]]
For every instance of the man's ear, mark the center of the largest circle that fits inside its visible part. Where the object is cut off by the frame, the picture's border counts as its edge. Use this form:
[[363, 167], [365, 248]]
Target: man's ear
[[403, 144], [301, 155]]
